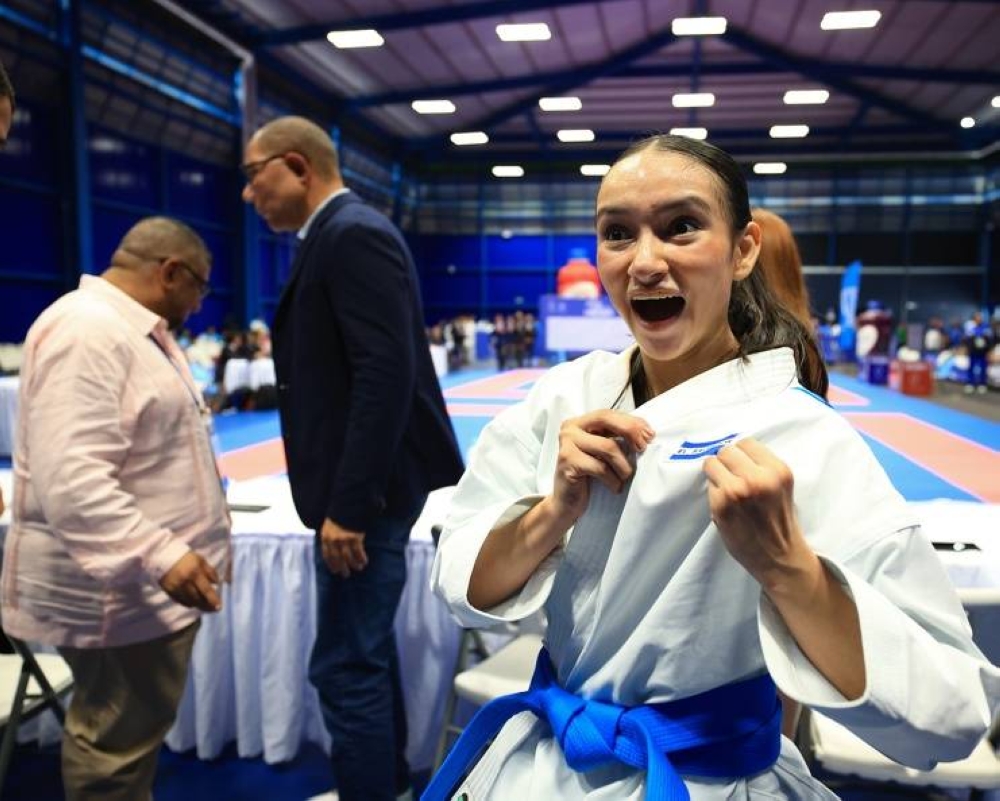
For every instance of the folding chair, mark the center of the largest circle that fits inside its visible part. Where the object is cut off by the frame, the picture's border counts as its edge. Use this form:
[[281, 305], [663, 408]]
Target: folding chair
[[505, 671], [850, 761], [29, 684]]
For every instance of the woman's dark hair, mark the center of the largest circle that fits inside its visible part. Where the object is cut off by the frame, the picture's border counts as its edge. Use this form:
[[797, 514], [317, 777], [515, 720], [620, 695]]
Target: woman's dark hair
[[757, 319]]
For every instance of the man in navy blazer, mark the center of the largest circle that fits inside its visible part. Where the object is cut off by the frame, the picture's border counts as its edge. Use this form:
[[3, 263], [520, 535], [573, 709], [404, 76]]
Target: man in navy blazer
[[366, 435]]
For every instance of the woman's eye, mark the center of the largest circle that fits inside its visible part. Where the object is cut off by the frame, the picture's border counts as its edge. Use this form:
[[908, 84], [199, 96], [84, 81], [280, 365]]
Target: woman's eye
[[614, 233], [683, 225]]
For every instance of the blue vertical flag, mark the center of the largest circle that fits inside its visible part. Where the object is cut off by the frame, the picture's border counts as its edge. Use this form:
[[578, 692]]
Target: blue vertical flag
[[850, 287]]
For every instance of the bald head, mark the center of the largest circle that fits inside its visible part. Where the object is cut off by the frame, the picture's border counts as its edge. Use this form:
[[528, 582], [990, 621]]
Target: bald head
[[299, 135], [164, 265], [155, 238]]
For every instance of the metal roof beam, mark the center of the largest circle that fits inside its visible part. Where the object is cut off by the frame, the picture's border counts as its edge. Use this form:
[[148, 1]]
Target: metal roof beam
[[841, 70], [410, 19], [816, 70], [576, 78]]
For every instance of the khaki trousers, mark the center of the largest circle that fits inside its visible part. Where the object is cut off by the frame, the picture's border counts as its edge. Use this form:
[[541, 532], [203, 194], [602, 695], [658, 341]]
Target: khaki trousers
[[124, 702]]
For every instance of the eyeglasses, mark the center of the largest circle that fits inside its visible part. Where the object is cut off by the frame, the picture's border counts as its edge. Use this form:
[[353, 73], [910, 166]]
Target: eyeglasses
[[252, 169], [204, 288]]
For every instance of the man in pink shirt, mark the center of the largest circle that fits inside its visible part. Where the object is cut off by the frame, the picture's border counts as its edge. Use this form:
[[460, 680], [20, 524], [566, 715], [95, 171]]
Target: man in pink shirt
[[120, 531]]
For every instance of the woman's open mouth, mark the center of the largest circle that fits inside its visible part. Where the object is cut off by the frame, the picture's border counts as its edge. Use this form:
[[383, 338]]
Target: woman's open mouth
[[654, 310]]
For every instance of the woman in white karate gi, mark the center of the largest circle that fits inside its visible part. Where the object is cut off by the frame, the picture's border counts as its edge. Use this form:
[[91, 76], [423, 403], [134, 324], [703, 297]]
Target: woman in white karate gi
[[696, 523]]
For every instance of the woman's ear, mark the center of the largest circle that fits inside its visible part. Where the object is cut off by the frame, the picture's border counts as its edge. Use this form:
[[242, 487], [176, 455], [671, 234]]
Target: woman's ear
[[747, 251]]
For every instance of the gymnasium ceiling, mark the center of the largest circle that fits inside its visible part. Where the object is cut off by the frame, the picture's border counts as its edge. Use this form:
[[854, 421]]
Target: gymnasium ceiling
[[900, 87]]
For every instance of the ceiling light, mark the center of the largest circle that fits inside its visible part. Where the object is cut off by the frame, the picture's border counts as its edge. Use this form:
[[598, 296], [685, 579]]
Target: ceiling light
[[595, 170], [508, 171], [967, 122], [845, 20], [433, 106], [575, 135], [560, 104], [770, 167], [527, 32], [690, 133], [789, 131], [801, 97], [693, 100], [469, 138], [698, 26], [368, 37], [995, 102]]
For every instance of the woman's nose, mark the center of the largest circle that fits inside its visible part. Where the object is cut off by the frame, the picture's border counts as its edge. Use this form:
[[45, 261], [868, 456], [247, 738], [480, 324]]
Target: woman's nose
[[648, 263]]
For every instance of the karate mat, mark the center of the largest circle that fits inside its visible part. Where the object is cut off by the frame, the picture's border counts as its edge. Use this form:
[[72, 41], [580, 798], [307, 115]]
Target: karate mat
[[929, 451]]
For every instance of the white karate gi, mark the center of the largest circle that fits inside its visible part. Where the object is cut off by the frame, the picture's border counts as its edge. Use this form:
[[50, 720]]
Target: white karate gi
[[646, 605]]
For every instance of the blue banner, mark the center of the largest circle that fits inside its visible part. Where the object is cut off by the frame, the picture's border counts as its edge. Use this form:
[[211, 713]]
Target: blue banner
[[850, 287]]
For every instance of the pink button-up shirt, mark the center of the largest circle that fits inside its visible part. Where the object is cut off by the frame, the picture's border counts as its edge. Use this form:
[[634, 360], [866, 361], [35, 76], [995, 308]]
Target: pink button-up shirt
[[114, 476]]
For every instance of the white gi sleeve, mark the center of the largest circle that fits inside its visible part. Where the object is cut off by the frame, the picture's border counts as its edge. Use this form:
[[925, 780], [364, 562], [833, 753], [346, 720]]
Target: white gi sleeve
[[499, 485]]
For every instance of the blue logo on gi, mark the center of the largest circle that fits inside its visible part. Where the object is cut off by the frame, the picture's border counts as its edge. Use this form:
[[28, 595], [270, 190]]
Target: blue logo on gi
[[699, 450]]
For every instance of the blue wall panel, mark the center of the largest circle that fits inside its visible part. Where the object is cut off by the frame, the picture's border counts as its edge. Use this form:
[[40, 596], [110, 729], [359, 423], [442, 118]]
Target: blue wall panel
[[124, 171], [29, 229], [110, 225], [201, 191], [517, 289], [517, 252], [23, 301], [438, 251], [32, 153]]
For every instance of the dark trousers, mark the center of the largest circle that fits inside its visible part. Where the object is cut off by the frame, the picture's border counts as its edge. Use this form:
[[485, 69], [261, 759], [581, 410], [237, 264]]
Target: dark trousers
[[977, 369], [355, 667]]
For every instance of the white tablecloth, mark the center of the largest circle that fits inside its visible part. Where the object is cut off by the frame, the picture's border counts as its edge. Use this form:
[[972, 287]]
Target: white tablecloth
[[9, 386], [236, 375], [247, 374], [248, 679], [439, 356], [262, 373]]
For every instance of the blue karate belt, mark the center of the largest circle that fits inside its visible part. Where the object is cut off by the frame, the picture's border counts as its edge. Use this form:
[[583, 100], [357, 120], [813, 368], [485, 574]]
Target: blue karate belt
[[729, 732]]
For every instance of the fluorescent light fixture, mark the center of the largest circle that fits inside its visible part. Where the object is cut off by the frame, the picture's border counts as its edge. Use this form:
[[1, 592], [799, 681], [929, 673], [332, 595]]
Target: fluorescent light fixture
[[508, 171], [560, 104], [433, 106], [367, 37], [995, 102], [575, 135], [967, 122], [847, 20], [698, 26], [469, 138], [690, 133], [789, 131], [693, 100], [595, 170], [803, 97], [526, 32], [770, 167]]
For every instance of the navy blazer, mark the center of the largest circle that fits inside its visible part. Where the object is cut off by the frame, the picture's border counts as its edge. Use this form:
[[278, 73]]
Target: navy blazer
[[364, 423]]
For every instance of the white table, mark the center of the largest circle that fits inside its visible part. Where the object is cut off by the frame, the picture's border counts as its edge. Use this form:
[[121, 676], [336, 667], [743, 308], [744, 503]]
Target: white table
[[248, 680], [9, 386]]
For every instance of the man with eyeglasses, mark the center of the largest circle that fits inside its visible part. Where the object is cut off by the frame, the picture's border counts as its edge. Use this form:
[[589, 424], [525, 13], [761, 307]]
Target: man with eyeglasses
[[366, 435], [120, 533]]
